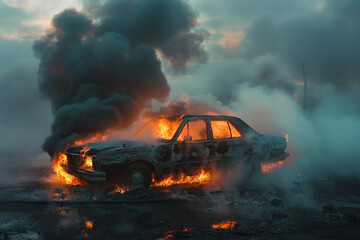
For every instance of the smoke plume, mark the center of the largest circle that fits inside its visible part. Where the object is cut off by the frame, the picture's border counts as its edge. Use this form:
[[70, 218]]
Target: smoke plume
[[100, 71]]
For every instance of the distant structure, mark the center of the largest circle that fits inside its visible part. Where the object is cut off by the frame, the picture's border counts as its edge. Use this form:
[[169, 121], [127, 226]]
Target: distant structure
[[305, 84]]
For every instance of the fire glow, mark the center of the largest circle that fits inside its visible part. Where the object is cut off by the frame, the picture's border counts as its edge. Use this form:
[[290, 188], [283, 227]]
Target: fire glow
[[88, 227], [202, 178], [62, 176], [165, 129], [268, 167], [89, 224], [96, 138], [162, 128], [220, 130], [65, 178], [120, 190], [226, 225]]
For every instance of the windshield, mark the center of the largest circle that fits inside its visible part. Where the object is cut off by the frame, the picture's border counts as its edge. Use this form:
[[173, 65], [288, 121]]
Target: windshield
[[162, 128]]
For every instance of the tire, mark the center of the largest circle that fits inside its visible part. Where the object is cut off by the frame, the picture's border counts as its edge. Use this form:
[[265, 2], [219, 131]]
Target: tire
[[138, 174]]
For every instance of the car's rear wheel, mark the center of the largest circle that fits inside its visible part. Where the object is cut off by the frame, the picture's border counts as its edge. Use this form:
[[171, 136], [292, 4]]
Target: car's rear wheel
[[138, 174]]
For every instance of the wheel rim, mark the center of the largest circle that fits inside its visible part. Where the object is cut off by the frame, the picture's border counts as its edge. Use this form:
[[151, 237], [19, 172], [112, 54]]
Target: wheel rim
[[137, 177]]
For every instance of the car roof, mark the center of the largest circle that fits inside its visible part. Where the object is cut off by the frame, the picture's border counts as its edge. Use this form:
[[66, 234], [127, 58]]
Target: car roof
[[208, 117]]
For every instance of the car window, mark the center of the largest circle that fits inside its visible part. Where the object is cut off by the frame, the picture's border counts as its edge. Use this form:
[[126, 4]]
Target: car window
[[195, 129], [234, 132], [224, 129]]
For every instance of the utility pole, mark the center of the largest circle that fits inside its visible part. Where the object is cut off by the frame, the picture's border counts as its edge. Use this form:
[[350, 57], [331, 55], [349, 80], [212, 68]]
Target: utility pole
[[305, 84]]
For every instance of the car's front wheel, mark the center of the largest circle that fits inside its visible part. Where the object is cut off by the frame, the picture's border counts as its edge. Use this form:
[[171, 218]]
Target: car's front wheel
[[138, 174]]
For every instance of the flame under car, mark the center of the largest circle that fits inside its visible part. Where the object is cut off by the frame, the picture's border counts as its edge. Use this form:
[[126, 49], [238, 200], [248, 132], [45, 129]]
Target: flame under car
[[199, 142]]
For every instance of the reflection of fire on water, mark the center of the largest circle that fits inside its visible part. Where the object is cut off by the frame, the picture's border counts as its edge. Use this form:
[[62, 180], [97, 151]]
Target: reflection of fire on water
[[88, 227], [227, 225], [63, 211], [169, 236], [187, 229], [89, 224]]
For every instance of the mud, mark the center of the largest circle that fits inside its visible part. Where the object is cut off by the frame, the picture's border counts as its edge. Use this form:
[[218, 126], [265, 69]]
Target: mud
[[322, 209]]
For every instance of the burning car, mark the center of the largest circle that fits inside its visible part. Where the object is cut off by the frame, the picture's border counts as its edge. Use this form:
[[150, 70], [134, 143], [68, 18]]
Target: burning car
[[197, 142]]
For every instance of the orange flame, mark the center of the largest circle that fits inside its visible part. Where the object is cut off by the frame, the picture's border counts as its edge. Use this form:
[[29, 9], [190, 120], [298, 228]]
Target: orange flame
[[96, 138], [88, 227], [224, 129], [84, 150], [268, 167], [89, 224], [165, 129], [202, 177], [227, 224], [88, 165], [120, 190], [186, 229], [61, 175], [88, 161], [170, 235]]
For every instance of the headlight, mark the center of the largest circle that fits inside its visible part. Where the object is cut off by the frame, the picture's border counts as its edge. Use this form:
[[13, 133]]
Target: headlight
[[87, 163]]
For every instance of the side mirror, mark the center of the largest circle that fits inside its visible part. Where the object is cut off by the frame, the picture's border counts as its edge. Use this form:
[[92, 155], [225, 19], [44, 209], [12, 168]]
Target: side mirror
[[187, 138]]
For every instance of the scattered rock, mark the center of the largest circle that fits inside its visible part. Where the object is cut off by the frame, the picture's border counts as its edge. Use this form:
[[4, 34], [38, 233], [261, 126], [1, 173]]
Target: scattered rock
[[28, 235], [244, 231], [262, 224], [58, 190], [334, 217], [277, 203], [351, 214], [329, 208], [351, 218], [278, 191], [144, 219], [4, 235], [296, 184], [279, 215]]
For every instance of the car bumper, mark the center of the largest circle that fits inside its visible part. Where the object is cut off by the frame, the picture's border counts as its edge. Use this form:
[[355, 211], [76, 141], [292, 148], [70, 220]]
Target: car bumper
[[277, 157], [91, 176], [284, 155]]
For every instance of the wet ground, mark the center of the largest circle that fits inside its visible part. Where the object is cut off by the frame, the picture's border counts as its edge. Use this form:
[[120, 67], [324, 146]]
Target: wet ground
[[322, 209]]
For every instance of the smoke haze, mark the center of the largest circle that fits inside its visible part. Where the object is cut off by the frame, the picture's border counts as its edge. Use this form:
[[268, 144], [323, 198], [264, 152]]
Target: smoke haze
[[102, 66]]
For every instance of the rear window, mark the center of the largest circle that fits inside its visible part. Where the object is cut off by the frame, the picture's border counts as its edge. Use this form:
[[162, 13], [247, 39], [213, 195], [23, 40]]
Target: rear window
[[224, 129]]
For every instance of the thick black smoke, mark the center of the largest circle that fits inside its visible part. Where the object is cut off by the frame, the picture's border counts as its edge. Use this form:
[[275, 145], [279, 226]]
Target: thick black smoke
[[100, 73], [190, 105]]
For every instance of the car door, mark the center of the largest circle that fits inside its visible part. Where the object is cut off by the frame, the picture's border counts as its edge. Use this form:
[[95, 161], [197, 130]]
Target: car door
[[192, 147], [229, 142]]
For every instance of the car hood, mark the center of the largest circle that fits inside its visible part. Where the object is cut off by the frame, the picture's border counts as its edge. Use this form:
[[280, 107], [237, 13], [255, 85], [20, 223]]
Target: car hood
[[114, 145]]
